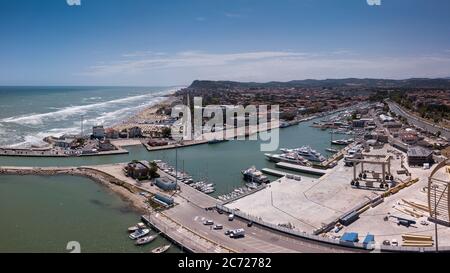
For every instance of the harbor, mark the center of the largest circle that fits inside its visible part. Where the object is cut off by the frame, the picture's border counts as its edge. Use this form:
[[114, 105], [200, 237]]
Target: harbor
[[299, 202]]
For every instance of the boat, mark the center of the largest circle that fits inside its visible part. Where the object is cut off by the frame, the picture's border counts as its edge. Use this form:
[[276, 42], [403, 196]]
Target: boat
[[342, 142], [252, 186], [161, 249], [209, 191], [136, 227], [145, 240], [139, 233], [307, 153], [331, 150], [293, 158], [253, 175]]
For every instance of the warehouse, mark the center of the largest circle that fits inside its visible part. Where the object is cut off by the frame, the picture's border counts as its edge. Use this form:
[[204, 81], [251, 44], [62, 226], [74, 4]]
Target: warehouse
[[418, 156]]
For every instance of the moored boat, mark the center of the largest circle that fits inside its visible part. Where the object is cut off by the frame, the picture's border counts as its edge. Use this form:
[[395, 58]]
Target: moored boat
[[136, 227], [139, 234], [307, 153], [145, 240], [161, 249], [253, 175], [289, 158]]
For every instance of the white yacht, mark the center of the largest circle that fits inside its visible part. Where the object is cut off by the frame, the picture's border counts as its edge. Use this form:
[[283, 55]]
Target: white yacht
[[293, 158], [307, 153]]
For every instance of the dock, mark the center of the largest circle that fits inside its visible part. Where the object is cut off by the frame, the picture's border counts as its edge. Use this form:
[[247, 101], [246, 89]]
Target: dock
[[273, 172], [301, 169]]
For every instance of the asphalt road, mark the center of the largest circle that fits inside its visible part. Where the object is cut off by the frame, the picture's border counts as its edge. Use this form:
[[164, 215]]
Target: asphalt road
[[257, 239], [430, 127]]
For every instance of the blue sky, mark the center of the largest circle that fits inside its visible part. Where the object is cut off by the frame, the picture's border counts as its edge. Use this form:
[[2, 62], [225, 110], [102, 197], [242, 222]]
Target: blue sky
[[173, 42]]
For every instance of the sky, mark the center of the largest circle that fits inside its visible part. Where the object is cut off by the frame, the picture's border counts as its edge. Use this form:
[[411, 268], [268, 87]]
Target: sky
[[173, 42]]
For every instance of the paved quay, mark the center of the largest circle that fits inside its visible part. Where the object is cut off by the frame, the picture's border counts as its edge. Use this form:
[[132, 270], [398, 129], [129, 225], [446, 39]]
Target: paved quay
[[184, 222]]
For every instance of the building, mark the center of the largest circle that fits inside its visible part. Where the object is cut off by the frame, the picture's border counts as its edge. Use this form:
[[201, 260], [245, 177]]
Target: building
[[138, 170], [385, 118], [105, 145], [417, 156], [392, 125], [166, 201], [64, 143], [359, 123], [165, 185], [135, 132], [112, 134], [409, 137], [157, 143], [98, 132]]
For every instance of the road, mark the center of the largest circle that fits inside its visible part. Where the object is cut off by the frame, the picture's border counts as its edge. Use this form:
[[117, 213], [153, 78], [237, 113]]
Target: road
[[426, 125]]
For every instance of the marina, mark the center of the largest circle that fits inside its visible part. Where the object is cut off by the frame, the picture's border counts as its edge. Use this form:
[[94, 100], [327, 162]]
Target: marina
[[194, 189]]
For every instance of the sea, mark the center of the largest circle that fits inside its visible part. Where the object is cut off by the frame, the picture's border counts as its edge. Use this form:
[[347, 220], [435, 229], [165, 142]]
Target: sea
[[29, 114]]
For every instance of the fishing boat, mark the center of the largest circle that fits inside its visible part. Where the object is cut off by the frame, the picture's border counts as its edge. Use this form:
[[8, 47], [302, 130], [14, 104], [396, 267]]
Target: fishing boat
[[139, 233], [136, 227], [145, 240], [161, 249]]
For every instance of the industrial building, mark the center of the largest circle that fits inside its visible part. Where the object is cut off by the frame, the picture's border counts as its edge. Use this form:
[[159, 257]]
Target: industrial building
[[98, 132], [418, 156], [165, 185]]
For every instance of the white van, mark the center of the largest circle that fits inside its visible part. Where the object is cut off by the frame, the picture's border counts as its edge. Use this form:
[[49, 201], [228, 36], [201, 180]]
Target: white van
[[231, 217]]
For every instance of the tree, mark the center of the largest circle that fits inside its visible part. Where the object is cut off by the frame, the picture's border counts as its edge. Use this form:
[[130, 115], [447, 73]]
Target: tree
[[166, 132], [153, 172]]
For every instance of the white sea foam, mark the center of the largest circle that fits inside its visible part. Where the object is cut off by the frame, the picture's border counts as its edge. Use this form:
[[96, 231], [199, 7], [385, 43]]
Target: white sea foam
[[37, 119], [67, 119]]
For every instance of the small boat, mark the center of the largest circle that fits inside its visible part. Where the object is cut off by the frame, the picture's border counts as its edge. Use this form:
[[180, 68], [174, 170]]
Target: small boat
[[139, 233], [161, 249], [136, 227], [334, 151], [145, 240]]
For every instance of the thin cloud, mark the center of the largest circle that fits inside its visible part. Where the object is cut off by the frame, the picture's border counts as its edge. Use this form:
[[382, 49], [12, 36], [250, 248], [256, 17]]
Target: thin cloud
[[233, 15], [183, 67]]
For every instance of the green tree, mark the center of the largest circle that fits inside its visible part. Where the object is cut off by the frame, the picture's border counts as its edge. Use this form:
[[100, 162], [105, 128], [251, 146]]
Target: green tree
[[153, 172], [166, 132]]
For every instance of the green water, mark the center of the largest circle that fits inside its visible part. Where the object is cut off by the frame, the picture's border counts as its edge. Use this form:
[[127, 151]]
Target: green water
[[220, 163], [43, 214]]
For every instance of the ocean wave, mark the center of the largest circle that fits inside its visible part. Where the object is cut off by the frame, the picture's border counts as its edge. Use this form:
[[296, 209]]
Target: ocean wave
[[38, 119]]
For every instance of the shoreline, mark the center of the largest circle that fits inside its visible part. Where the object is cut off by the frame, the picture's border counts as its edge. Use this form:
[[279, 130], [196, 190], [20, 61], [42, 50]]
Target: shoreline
[[126, 192]]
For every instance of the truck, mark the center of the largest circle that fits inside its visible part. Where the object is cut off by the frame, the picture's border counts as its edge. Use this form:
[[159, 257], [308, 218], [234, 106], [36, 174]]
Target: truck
[[238, 233]]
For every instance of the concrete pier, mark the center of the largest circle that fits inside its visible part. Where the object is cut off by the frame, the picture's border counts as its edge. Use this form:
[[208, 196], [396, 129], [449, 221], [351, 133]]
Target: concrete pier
[[301, 169], [274, 172]]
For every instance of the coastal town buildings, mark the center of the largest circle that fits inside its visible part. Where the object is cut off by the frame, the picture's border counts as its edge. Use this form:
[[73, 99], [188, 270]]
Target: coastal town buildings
[[98, 132]]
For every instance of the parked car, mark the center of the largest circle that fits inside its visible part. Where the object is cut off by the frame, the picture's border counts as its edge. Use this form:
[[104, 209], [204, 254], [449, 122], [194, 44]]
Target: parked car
[[208, 223], [218, 227]]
